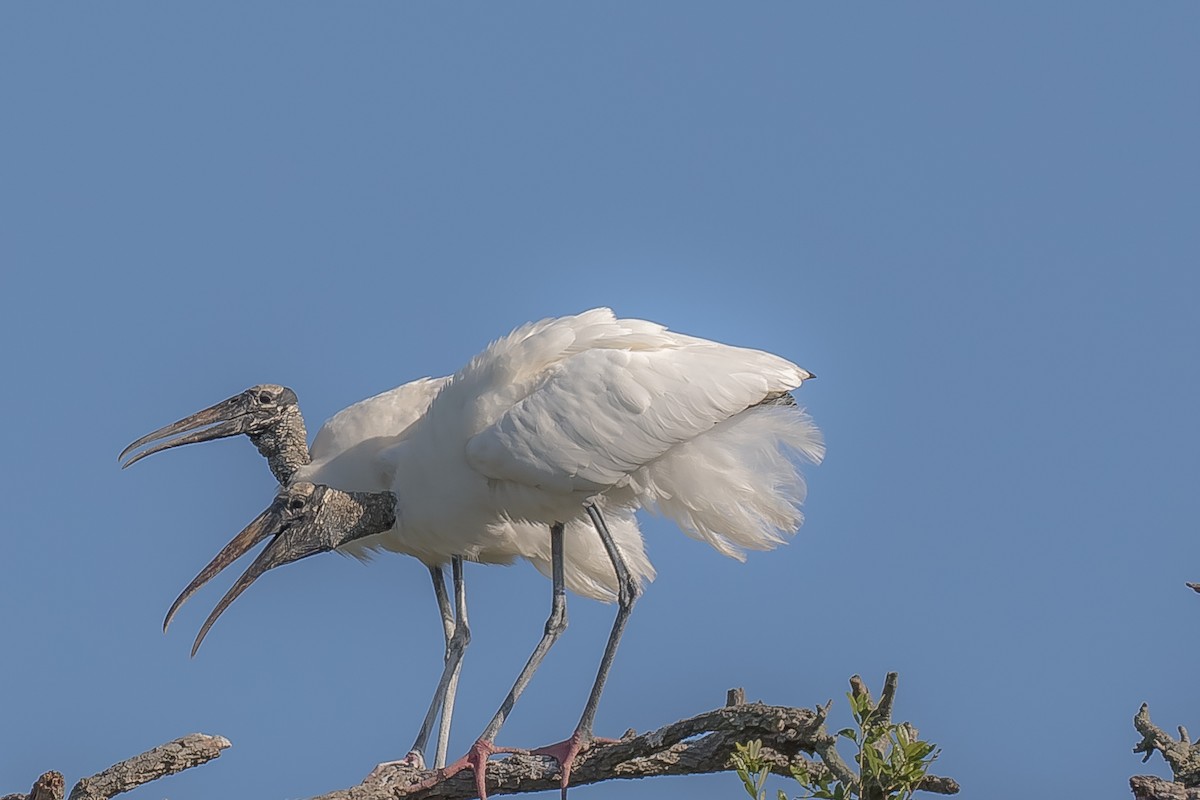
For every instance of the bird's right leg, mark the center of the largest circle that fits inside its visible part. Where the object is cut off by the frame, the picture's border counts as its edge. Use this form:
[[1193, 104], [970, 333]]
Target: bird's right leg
[[476, 758], [566, 751], [458, 636]]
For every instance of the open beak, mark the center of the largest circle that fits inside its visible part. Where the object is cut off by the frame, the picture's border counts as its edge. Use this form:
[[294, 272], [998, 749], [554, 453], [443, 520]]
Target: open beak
[[268, 523], [227, 418], [294, 539]]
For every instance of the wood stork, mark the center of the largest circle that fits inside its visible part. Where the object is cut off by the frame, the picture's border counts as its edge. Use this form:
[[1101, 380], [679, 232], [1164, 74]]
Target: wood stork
[[567, 420], [343, 456]]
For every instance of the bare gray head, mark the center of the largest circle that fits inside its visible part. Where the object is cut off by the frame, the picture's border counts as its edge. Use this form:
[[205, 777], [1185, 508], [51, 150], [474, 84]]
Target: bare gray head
[[304, 519], [267, 413]]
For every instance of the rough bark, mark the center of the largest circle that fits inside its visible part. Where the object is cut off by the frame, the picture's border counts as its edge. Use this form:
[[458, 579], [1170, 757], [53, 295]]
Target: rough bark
[[1148, 787], [166, 759], [1181, 754], [694, 746], [48, 787]]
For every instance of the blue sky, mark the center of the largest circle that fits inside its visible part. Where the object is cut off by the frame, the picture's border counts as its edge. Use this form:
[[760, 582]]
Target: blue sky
[[976, 224]]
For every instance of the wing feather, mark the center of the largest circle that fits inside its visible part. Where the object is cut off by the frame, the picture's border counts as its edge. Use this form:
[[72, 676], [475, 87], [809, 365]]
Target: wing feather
[[600, 414]]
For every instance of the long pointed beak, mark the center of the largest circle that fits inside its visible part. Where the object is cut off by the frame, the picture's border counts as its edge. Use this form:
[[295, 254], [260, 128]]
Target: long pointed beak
[[279, 552], [265, 524], [293, 542], [227, 418]]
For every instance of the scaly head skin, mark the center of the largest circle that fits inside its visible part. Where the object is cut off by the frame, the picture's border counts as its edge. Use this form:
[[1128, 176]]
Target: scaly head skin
[[304, 519], [267, 413]]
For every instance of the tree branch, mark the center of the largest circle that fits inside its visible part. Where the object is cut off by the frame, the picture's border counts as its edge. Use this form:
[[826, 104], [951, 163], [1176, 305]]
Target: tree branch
[[825, 745], [1181, 754], [698, 745], [48, 787], [1148, 787], [166, 759]]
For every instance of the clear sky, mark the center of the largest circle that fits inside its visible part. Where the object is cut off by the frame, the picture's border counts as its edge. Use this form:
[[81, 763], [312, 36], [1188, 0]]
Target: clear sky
[[976, 223]]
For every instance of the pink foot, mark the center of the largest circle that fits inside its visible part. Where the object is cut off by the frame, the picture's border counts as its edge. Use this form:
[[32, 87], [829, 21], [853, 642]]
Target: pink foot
[[564, 753], [476, 760]]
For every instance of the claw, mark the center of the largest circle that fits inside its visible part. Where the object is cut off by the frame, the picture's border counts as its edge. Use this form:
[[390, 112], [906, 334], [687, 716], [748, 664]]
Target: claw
[[476, 760], [566, 751]]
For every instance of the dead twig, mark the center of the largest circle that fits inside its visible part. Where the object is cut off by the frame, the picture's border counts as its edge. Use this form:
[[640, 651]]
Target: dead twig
[[1181, 754], [166, 759]]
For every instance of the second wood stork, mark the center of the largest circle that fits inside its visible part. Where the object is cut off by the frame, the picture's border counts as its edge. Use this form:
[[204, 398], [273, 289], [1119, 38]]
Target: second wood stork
[[344, 455], [569, 420]]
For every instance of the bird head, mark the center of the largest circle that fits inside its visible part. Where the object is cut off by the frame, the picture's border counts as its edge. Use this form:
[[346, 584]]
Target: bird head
[[254, 412], [304, 519]]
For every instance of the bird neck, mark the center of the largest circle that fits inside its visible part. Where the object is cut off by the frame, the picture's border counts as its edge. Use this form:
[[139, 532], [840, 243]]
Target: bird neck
[[359, 514], [284, 445]]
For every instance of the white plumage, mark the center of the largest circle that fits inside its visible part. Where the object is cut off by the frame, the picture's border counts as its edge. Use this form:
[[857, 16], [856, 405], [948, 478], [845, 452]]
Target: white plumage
[[591, 406], [346, 455]]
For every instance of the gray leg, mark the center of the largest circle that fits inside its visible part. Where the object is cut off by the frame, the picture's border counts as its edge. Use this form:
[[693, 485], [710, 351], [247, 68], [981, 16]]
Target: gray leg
[[458, 635], [627, 592], [555, 625], [463, 634], [627, 595], [443, 600]]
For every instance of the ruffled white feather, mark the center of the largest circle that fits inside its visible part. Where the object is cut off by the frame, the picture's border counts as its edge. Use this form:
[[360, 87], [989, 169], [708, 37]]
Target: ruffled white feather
[[589, 406]]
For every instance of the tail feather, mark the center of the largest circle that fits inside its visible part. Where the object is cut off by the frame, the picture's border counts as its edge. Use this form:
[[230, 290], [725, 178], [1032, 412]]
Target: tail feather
[[734, 486]]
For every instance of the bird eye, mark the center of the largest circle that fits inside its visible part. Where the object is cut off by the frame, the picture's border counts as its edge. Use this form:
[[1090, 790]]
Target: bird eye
[[265, 398], [296, 503]]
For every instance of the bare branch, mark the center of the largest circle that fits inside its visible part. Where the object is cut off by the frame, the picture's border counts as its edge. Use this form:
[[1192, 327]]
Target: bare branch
[[48, 787], [825, 744], [887, 698], [1180, 754], [166, 759], [1148, 787], [699, 745]]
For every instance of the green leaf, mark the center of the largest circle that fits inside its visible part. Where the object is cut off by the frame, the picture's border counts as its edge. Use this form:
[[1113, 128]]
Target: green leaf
[[918, 749]]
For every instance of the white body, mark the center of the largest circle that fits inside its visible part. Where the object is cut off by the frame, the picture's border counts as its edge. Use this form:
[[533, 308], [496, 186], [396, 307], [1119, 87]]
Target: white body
[[345, 455], [621, 411]]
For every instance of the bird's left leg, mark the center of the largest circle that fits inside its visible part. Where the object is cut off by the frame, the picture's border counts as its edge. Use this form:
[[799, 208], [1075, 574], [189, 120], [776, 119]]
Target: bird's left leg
[[458, 636], [463, 634], [627, 594]]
